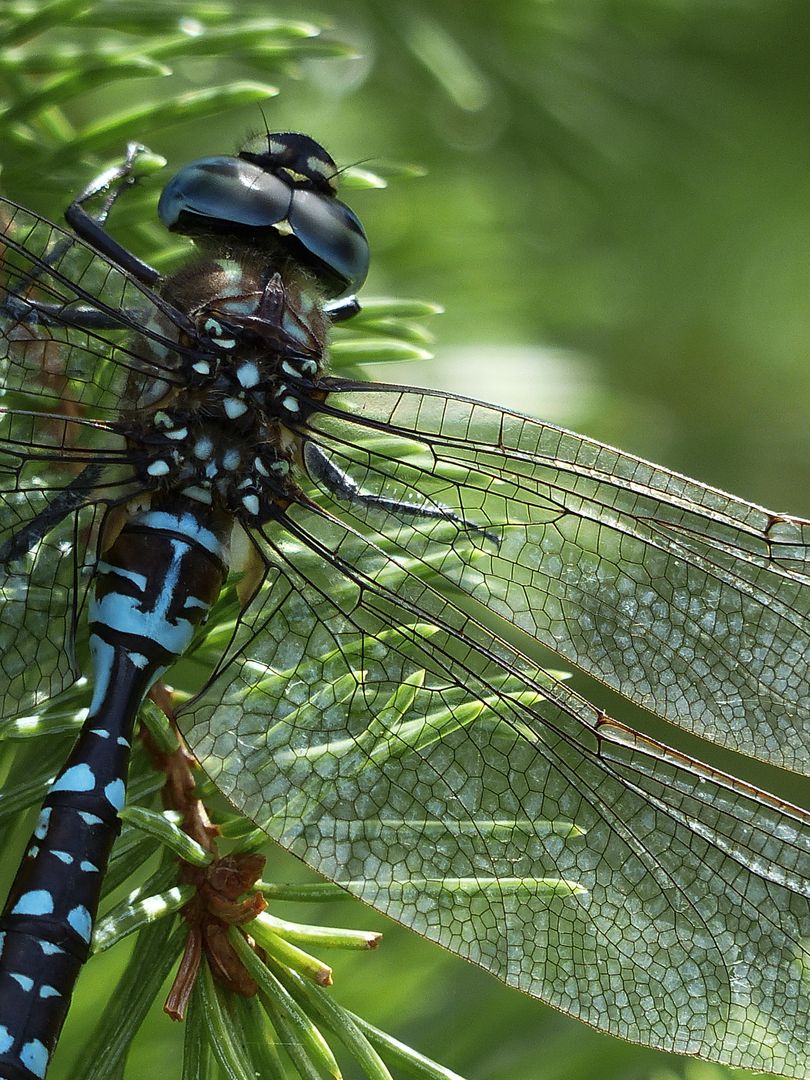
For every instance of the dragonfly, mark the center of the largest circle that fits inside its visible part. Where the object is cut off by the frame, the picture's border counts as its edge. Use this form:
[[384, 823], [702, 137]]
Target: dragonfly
[[383, 571]]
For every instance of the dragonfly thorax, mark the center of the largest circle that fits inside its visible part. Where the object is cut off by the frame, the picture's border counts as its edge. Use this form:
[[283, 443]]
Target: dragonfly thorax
[[253, 356], [244, 306], [242, 468]]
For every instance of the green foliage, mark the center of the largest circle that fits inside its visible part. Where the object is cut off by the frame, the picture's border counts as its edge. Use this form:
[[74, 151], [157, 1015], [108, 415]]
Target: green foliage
[[620, 121], [48, 75]]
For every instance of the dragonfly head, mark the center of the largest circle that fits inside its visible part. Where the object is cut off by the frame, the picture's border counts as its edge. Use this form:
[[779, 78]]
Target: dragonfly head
[[281, 185]]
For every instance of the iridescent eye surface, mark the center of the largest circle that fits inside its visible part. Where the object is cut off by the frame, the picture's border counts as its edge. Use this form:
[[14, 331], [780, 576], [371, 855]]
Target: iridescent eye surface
[[284, 182]]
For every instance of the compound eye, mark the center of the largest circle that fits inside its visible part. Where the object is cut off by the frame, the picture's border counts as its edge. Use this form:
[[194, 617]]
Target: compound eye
[[219, 191], [288, 188], [332, 233]]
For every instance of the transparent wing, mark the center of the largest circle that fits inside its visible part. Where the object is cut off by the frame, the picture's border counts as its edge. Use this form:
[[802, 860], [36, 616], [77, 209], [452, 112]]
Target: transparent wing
[[687, 601], [40, 597], [70, 361], [381, 731], [58, 476], [77, 330]]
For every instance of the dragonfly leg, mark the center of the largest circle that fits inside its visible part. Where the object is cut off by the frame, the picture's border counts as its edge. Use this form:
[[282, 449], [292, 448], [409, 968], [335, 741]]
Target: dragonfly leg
[[114, 182], [91, 227], [346, 489], [36, 313], [342, 309], [74, 495]]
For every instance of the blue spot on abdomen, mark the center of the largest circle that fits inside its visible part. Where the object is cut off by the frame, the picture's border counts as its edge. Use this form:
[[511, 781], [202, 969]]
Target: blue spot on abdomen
[[79, 919], [76, 778], [35, 1057], [42, 823], [115, 793], [49, 949], [36, 902]]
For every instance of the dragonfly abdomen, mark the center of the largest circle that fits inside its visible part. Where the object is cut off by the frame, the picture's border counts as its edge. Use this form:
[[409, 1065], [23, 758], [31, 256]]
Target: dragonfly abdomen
[[154, 586]]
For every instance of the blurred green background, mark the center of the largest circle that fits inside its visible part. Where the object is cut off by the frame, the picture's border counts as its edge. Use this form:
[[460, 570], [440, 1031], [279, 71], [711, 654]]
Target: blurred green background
[[616, 217]]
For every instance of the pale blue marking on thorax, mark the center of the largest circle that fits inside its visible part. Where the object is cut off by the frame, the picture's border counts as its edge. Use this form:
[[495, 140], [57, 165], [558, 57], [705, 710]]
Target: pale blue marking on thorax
[[247, 374], [294, 324]]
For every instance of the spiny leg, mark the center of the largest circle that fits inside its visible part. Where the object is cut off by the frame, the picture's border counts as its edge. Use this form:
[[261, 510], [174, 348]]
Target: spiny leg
[[112, 183], [346, 489], [91, 227], [345, 307]]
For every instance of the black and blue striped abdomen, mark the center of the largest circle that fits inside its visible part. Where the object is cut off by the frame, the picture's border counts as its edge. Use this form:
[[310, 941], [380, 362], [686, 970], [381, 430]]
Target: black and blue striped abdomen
[[154, 586]]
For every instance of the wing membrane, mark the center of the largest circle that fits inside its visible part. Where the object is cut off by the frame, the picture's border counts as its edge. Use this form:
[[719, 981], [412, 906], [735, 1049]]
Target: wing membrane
[[81, 343], [404, 750], [687, 601], [58, 476], [76, 330]]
